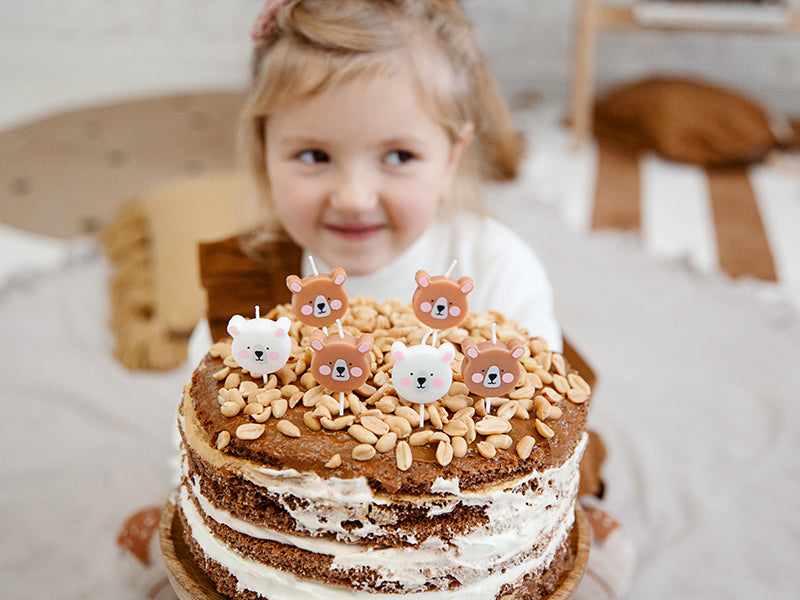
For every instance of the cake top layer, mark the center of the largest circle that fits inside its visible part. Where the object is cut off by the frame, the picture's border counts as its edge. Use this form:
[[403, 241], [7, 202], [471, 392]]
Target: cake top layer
[[292, 421]]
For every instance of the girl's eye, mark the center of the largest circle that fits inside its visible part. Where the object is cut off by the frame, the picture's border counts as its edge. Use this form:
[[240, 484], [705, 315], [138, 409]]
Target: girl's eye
[[312, 157], [398, 157]]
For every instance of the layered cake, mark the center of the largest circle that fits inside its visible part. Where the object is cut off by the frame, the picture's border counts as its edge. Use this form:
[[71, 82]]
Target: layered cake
[[292, 490]]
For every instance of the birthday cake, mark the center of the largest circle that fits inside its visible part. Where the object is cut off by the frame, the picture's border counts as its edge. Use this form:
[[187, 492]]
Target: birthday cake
[[380, 457]]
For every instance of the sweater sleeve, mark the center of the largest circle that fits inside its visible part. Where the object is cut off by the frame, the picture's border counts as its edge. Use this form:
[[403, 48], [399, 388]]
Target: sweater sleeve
[[510, 278]]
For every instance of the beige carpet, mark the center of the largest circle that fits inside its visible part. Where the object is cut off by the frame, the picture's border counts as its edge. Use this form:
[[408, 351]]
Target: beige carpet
[[67, 174]]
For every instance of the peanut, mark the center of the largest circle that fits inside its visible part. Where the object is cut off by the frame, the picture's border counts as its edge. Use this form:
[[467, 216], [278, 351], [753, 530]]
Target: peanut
[[487, 449], [362, 434], [223, 439], [444, 453], [544, 430], [363, 452], [375, 425], [403, 456], [525, 447], [222, 373], [459, 447], [501, 441], [250, 431], [288, 428], [490, 425], [386, 442]]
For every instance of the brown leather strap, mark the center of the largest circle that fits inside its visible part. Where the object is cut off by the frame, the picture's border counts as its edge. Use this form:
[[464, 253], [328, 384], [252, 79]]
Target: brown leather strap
[[235, 282]]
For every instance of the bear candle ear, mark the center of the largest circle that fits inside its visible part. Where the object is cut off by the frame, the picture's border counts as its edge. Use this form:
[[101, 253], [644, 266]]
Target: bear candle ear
[[516, 348], [235, 325], [294, 283], [338, 275], [316, 340], [468, 347], [365, 343], [399, 351], [466, 285], [284, 324], [422, 278], [447, 352]]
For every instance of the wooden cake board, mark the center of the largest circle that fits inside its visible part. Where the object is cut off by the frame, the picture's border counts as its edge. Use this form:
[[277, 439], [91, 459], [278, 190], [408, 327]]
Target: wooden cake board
[[190, 583]]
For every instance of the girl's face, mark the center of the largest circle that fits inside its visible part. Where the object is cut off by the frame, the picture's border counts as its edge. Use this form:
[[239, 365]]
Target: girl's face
[[357, 172]]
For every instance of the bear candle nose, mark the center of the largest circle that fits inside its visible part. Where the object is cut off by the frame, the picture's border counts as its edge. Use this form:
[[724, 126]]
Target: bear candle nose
[[421, 381], [321, 307], [492, 376], [259, 354], [440, 308], [340, 370]]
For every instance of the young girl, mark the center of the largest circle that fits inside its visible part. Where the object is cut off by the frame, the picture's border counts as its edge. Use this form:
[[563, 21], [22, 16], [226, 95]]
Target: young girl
[[368, 128]]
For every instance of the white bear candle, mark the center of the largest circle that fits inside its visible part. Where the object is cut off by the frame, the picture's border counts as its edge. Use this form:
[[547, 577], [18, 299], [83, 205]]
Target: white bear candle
[[260, 346], [422, 373]]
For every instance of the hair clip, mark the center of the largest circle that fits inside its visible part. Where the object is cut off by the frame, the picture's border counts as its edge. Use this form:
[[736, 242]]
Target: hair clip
[[265, 20]]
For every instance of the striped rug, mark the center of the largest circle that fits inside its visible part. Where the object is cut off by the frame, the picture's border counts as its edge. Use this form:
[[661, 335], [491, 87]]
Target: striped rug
[[742, 221]]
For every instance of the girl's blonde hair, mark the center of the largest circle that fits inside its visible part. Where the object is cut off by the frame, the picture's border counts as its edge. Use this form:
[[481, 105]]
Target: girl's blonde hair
[[315, 44]]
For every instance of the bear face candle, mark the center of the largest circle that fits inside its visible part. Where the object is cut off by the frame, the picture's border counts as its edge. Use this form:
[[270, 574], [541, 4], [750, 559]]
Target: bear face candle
[[421, 373], [440, 301], [319, 299], [491, 368], [340, 362], [260, 346]]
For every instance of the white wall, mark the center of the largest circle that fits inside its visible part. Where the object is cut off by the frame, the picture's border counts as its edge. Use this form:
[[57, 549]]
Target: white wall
[[59, 54]]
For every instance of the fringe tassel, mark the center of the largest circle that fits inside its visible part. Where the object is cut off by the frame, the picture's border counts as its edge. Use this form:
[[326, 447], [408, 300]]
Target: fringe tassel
[[140, 343]]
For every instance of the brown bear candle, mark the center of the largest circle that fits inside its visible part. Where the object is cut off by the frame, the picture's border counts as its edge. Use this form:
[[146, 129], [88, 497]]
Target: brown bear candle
[[440, 301], [490, 368], [341, 362], [319, 299]]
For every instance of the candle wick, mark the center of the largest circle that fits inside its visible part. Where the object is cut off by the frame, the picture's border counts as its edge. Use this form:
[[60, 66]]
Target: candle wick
[[313, 264], [452, 266], [341, 403], [339, 324], [494, 333], [257, 313]]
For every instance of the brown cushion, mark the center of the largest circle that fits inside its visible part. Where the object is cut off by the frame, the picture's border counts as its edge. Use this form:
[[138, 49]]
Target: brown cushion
[[685, 121]]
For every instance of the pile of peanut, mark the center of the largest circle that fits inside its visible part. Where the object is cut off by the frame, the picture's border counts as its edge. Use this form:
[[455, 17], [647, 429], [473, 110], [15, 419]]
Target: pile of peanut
[[375, 417]]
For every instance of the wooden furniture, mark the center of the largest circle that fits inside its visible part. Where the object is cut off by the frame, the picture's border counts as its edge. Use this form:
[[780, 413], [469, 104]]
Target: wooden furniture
[[595, 17]]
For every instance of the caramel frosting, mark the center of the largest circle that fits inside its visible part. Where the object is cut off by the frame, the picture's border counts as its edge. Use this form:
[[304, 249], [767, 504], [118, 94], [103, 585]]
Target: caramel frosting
[[290, 422]]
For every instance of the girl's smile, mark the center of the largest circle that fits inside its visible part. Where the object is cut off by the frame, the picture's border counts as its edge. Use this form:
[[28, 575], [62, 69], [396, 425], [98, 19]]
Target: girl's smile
[[355, 231], [357, 172]]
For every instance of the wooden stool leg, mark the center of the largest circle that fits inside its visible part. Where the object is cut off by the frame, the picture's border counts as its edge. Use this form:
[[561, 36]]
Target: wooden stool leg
[[583, 71]]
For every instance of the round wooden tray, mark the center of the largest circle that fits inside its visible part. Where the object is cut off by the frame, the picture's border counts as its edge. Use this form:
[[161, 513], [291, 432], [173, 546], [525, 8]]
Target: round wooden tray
[[190, 583]]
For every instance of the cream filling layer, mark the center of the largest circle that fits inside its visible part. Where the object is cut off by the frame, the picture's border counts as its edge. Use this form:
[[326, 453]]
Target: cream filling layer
[[520, 520], [348, 509], [273, 583]]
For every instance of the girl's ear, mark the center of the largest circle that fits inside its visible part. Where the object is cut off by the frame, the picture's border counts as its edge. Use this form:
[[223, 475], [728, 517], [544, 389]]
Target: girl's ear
[[456, 154]]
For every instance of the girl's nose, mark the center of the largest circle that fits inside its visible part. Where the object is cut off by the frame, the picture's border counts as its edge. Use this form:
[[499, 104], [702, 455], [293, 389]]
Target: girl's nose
[[355, 191]]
